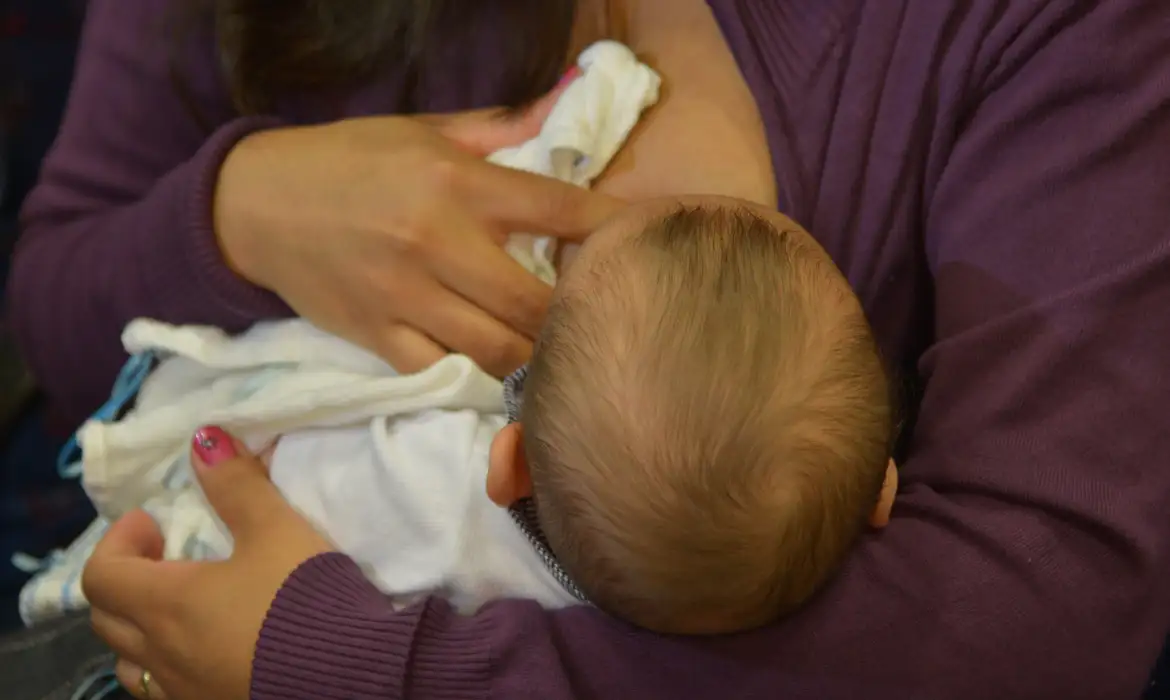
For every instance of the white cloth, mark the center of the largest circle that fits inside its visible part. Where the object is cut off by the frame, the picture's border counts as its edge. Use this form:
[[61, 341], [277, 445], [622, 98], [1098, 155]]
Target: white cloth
[[390, 467], [582, 134]]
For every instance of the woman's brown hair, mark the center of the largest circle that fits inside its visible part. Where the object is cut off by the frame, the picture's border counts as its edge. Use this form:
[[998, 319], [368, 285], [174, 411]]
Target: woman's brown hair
[[271, 48]]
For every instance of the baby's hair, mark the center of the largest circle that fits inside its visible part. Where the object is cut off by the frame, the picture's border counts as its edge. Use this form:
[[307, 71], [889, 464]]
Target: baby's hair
[[707, 423]]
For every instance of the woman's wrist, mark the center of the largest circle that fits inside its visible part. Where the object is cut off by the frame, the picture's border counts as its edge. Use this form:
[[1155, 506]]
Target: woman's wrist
[[227, 299], [236, 220]]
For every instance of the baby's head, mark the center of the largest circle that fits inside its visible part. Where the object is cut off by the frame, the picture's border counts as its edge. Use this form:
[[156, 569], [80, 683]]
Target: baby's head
[[706, 424]]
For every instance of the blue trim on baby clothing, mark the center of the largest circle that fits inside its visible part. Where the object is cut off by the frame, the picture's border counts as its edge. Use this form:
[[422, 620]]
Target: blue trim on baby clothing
[[126, 387]]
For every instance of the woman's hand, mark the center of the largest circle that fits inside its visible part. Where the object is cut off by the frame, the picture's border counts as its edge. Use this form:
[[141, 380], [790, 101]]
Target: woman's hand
[[194, 625], [387, 231]]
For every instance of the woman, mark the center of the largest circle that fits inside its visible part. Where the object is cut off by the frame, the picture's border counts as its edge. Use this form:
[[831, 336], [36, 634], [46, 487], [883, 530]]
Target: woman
[[991, 177]]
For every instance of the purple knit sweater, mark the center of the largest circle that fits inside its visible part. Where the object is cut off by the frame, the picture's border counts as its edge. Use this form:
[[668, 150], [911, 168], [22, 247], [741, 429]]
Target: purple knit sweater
[[994, 179]]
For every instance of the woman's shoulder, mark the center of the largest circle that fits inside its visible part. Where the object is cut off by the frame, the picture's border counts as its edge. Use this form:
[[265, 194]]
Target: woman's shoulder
[[795, 46], [155, 51]]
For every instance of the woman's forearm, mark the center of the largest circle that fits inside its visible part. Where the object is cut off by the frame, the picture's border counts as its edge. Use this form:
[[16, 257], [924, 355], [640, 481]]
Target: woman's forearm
[[119, 225], [80, 276]]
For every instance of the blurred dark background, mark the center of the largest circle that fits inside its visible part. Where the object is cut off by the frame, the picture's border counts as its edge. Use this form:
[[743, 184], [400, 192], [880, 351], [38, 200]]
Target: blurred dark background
[[38, 510]]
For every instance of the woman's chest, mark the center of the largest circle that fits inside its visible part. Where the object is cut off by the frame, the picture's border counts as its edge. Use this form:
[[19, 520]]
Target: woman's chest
[[826, 109], [794, 108]]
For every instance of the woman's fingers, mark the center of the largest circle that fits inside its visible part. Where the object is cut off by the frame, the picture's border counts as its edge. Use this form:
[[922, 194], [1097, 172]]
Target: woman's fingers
[[529, 203], [465, 260], [238, 488], [480, 270], [123, 575], [236, 484], [120, 635], [458, 323], [133, 677], [407, 349], [135, 534], [125, 587]]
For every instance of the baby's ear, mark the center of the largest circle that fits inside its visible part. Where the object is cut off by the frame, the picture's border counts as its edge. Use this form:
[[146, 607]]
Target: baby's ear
[[508, 479], [881, 512]]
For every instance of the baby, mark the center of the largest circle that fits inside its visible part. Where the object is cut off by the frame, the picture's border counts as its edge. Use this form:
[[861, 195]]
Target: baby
[[702, 433], [705, 426]]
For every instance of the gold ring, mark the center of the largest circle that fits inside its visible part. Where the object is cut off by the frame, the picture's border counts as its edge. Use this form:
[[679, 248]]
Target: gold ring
[[144, 684]]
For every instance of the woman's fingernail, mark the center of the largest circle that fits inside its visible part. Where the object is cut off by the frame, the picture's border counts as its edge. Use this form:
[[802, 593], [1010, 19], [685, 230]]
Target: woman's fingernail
[[213, 445], [569, 76]]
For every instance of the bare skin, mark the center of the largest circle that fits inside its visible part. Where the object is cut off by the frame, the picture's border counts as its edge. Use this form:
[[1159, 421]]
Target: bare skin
[[705, 136]]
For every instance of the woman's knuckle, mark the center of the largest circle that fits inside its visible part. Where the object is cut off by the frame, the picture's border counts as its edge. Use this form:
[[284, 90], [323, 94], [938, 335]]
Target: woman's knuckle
[[563, 203], [445, 175], [373, 285], [527, 310], [500, 353], [412, 234]]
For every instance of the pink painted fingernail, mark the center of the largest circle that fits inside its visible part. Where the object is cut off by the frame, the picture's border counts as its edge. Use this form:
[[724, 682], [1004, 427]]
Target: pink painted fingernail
[[569, 76], [213, 445]]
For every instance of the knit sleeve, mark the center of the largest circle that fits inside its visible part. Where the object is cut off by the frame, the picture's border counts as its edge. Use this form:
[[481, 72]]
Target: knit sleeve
[[332, 634], [119, 225]]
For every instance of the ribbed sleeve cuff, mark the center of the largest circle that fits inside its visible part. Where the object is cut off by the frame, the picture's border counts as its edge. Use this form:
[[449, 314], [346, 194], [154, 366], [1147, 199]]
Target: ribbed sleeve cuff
[[230, 293], [330, 634]]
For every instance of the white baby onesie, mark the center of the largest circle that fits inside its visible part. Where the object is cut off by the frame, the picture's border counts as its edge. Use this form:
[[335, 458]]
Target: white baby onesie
[[390, 467]]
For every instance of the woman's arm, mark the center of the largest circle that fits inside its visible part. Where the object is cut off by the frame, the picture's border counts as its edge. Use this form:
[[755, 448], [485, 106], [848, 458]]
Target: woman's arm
[[120, 224], [1029, 555]]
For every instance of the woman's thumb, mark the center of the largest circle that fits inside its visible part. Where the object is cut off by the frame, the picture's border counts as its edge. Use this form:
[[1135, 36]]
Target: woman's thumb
[[235, 482]]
